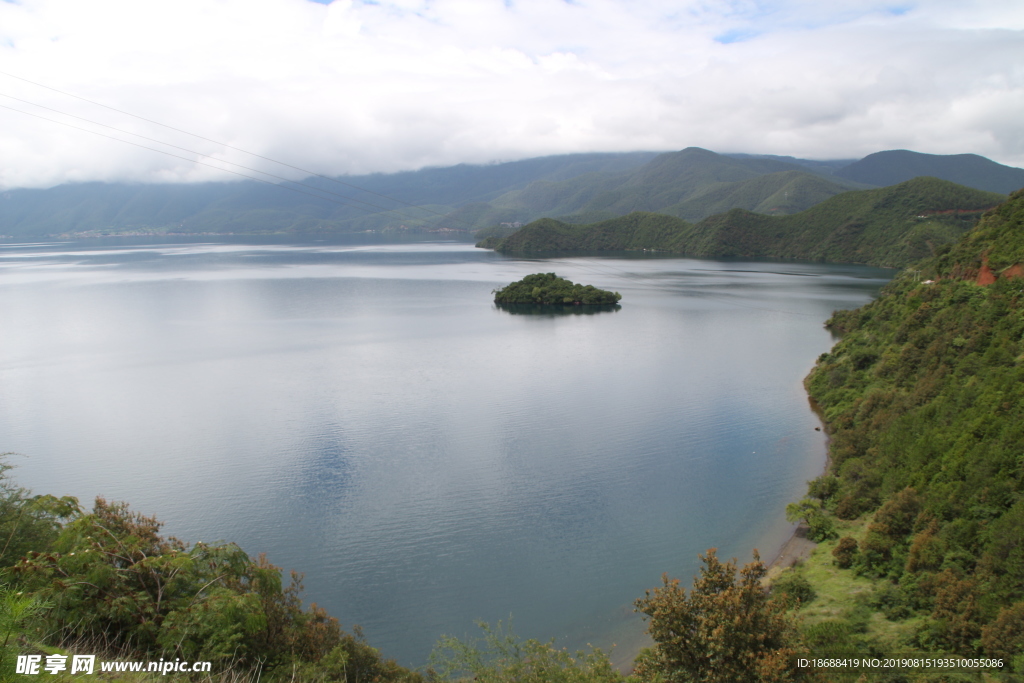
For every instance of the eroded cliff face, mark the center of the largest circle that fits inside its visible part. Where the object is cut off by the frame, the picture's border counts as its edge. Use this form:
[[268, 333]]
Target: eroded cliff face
[[987, 276], [983, 274]]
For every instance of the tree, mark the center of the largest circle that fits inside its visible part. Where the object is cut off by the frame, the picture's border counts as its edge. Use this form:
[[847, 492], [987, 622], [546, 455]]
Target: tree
[[15, 610], [727, 629], [845, 552], [810, 511], [28, 522]]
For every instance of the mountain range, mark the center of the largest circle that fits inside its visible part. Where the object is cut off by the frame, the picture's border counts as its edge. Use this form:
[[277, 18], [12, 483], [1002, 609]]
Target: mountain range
[[692, 184]]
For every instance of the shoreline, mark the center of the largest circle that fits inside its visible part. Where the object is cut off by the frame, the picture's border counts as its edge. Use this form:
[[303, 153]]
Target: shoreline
[[794, 550]]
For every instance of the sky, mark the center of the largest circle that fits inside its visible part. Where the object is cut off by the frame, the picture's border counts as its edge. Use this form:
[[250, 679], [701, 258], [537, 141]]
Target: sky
[[353, 87]]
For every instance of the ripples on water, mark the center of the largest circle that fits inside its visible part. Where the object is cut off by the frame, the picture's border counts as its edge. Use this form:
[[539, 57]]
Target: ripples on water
[[365, 414]]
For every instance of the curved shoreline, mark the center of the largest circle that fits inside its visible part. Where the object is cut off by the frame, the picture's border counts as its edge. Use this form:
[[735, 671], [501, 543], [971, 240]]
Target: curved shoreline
[[797, 548]]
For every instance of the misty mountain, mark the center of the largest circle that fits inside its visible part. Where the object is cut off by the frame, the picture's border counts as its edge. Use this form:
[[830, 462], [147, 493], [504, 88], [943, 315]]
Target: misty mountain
[[823, 167], [692, 184], [898, 165], [414, 199]]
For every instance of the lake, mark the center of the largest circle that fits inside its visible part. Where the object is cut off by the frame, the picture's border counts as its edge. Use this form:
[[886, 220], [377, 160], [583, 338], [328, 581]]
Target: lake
[[364, 413]]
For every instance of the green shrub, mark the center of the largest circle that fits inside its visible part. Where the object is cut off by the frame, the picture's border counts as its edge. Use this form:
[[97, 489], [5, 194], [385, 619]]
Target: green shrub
[[793, 588], [845, 552]]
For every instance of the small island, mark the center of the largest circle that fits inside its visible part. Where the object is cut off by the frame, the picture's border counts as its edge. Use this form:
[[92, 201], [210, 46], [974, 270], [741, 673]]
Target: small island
[[548, 288]]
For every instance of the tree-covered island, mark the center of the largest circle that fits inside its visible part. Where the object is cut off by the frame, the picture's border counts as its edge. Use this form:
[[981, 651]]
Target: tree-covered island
[[548, 288]]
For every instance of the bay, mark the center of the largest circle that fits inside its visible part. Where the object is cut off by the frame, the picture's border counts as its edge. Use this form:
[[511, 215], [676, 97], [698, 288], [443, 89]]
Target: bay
[[363, 413]]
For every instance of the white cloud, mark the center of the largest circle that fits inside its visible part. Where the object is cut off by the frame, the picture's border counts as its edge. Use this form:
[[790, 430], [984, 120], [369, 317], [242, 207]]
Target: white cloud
[[352, 87]]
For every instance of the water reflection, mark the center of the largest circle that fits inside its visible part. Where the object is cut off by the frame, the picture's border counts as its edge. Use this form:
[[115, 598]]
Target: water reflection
[[367, 415]]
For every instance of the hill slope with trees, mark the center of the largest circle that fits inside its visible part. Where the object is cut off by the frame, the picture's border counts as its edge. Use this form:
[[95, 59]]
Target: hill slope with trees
[[924, 401], [889, 226]]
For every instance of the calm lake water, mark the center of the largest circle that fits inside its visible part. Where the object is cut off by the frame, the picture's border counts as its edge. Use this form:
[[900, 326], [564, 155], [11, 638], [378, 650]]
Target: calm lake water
[[365, 414]]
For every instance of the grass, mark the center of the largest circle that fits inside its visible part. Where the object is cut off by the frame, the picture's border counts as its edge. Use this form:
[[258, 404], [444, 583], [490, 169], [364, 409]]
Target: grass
[[843, 595], [837, 588]]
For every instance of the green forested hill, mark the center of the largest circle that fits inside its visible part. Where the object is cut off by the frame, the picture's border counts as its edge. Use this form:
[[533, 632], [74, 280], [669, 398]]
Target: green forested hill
[[888, 226], [924, 402], [638, 230], [779, 193]]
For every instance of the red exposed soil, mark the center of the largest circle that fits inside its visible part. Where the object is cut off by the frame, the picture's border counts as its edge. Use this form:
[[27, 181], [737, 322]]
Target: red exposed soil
[[985, 275], [1016, 270]]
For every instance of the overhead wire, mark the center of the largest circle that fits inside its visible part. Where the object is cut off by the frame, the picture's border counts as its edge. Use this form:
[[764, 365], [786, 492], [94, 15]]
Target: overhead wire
[[177, 156], [222, 144], [191, 151], [288, 184]]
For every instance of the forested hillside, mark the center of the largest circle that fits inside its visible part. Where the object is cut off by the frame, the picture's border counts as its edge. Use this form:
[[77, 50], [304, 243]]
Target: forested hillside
[[924, 402], [889, 227]]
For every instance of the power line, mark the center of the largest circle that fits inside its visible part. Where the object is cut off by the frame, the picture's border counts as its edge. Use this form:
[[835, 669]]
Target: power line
[[195, 161], [191, 151], [223, 144]]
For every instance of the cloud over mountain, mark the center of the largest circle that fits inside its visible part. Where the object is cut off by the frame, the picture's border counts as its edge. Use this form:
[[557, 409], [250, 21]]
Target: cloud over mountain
[[356, 87]]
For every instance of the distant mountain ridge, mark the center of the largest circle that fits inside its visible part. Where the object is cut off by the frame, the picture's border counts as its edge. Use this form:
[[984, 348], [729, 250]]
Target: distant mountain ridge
[[674, 183], [898, 165], [824, 167], [692, 184], [889, 226], [414, 199]]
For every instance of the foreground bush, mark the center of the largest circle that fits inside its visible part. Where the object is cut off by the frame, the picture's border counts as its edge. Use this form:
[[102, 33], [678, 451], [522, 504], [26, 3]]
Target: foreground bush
[[727, 628], [499, 657], [109, 578]]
